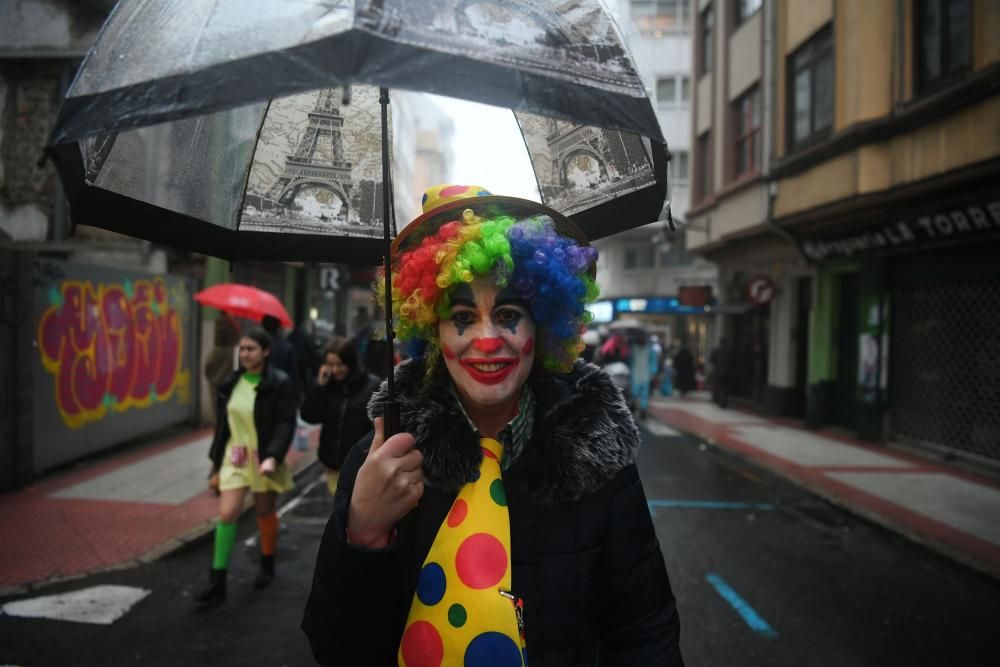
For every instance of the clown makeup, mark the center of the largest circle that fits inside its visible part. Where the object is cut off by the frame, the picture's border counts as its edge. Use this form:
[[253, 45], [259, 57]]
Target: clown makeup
[[487, 343]]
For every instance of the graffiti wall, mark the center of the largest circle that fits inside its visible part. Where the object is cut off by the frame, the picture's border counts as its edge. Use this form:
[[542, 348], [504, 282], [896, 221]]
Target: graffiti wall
[[115, 354]]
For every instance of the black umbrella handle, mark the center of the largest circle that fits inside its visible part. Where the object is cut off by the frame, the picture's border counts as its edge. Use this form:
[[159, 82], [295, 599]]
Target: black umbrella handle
[[390, 417]]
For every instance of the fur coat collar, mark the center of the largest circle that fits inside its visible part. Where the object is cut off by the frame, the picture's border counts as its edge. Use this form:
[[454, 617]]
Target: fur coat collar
[[583, 431]]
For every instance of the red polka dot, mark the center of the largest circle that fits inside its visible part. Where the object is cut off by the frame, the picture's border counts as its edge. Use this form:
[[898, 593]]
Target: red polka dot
[[481, 561], [422, 646], [490, 454], [458, 513], [452, 190]]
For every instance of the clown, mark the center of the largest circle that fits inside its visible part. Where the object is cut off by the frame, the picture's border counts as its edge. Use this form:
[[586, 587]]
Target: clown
[[506, 524]]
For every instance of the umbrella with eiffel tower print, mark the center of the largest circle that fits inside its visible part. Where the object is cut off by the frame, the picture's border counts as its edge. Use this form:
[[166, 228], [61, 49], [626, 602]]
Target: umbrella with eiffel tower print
[[187, 123]]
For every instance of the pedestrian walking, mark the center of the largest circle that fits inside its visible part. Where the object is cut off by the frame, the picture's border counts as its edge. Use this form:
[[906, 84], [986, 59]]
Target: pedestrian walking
[[684, 370], [339, 401], [722, 362], [258, 403], [643, 365], [507, 521], [283, 355]]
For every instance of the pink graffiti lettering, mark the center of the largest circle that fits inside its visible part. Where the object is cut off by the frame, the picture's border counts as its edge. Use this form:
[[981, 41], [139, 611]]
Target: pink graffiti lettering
[[111, 347]]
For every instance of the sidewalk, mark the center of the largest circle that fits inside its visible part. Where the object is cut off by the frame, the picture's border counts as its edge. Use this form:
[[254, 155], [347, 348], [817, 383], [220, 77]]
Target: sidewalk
[[131, 507], [953, 512]]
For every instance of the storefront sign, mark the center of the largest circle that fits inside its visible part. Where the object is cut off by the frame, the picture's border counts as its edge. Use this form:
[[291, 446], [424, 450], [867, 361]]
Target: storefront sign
[[654, 304], [695, 295], [941, 226], [760, 290]]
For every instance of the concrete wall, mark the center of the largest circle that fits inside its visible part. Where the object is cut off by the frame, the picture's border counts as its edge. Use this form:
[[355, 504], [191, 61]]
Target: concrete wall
[[745, 57], [805, 17]]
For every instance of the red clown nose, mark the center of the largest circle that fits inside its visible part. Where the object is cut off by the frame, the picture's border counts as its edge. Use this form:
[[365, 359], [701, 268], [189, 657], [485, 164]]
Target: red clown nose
[[487, 345]]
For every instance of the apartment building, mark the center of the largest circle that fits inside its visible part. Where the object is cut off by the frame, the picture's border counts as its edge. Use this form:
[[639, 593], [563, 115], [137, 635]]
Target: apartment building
[[647, 273], [847, 183]]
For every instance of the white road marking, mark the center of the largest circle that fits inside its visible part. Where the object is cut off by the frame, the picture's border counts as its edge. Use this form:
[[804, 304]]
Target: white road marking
[[658, 428], [100, 605]]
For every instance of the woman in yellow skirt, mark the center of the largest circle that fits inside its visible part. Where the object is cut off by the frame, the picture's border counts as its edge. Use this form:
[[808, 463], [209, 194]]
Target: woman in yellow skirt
[[258, 403]]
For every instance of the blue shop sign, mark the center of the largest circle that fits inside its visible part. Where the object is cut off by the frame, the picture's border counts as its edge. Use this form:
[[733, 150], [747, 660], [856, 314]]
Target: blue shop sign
[[659, 304]]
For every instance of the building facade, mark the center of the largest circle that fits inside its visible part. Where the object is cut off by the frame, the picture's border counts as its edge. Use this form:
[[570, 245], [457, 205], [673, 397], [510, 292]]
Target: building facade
[[646, 273], [872, 220]]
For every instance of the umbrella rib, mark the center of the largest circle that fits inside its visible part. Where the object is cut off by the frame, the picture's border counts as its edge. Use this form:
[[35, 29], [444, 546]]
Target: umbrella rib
[[246, 179]]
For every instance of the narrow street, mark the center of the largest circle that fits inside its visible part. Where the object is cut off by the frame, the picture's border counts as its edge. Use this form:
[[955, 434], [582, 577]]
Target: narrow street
[[765, 574]]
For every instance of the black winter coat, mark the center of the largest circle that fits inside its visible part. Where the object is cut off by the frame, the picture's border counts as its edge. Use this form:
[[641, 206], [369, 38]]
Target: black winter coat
[[585, 557], [342, 409], [273, 415]]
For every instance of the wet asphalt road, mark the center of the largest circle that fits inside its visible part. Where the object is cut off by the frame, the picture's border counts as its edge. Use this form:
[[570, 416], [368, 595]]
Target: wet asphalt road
[[764, 573]]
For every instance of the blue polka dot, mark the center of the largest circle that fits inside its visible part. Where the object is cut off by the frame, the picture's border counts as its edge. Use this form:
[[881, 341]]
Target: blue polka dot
[[484, 193], [475, 476], [424, 200], [492, 649], [431, 584]]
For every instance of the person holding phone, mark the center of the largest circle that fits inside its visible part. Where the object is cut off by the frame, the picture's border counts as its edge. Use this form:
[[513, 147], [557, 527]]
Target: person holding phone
[[506, 523], [256, 407], [339, 401]]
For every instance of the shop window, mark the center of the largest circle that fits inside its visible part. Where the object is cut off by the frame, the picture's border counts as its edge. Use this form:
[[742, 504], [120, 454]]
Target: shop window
[[745, 9], [706, 29], [810, 90], [655, 18], [943, 35], [746, 112], [639, 256]]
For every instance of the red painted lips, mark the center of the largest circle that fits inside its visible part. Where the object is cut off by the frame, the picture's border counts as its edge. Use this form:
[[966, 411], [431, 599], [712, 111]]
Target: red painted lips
[[490, 371]]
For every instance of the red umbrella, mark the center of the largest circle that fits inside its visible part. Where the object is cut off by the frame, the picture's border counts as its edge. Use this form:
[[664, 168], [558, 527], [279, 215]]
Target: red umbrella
[[244, 301]]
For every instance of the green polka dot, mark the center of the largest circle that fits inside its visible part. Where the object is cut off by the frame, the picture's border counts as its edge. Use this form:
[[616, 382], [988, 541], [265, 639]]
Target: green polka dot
[[497, 493], [457, 615]]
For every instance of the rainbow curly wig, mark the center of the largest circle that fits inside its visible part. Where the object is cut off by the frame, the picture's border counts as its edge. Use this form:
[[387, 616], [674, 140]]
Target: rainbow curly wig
[[551, 272]]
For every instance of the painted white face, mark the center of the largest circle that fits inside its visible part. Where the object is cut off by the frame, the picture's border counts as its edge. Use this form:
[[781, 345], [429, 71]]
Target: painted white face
[[488, 343]]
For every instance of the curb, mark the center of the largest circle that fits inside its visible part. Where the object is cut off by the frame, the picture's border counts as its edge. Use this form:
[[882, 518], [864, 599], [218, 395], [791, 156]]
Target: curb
[[940, 549], [190, 538]]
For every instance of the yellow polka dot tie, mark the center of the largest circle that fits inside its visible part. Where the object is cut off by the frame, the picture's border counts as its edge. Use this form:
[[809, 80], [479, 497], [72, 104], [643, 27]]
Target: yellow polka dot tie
[[463, 612]]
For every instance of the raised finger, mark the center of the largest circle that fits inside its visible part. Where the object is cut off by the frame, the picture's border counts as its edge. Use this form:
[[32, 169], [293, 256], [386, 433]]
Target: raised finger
[[379, 437]]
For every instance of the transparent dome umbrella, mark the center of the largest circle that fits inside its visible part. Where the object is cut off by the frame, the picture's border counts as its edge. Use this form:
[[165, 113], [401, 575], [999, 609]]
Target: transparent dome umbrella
[[222, 127]]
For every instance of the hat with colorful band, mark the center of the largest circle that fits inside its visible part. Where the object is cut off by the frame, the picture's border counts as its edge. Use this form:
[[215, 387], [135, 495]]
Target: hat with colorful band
[[444, 203]]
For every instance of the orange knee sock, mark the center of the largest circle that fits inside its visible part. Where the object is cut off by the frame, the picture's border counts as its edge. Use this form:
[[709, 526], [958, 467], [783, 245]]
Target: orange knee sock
[[268, 525]]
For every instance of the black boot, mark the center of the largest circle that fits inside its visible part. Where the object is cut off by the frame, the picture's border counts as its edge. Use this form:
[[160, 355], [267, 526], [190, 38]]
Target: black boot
[[266, 574], [215, 593]]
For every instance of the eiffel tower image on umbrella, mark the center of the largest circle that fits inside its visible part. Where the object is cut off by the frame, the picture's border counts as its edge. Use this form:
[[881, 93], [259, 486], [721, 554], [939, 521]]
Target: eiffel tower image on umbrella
[[581, 166], [303, 179], [318, 161]]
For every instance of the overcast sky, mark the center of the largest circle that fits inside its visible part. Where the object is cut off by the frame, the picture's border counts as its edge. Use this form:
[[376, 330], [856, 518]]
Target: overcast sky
[[502, 166]]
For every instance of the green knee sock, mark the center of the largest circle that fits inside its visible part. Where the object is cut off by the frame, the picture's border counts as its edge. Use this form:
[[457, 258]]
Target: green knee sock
[[225, 537]]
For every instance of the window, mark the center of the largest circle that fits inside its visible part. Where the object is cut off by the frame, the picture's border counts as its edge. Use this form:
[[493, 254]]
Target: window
[[745, 9], [673, 251], [810, 90], [640, 256], [679, 168], [942, 40], [703, 178], [654, 18], [673, 91], [746, 111], [707, 28]]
